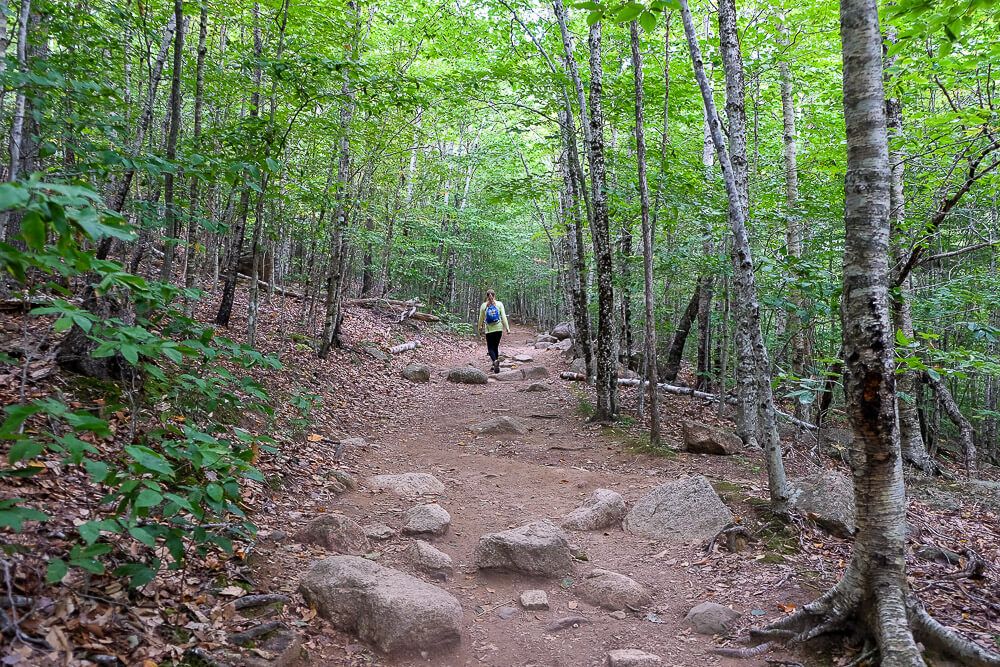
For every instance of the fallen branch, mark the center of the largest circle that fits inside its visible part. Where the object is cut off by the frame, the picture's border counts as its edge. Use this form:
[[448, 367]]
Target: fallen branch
[[371, 302], [277, 290], [404, 347], [687, 391], [425, 317]]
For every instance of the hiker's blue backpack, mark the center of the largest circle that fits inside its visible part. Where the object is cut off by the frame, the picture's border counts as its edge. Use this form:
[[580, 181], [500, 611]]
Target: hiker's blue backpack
[[492, 314]]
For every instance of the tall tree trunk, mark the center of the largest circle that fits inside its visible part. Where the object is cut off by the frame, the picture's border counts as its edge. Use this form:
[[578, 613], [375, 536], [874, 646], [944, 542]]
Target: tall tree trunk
[[170, 213], [236, 248], [744, 279], [335, 277], [607, 382], [189, 268], [675, 352], [649, 354]]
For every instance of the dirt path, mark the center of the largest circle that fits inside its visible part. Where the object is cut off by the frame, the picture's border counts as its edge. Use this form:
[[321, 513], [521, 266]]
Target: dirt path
[[493, 483]]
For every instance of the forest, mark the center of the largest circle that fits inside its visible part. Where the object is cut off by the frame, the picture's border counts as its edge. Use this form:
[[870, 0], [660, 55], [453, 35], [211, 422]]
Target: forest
[[225, 226]]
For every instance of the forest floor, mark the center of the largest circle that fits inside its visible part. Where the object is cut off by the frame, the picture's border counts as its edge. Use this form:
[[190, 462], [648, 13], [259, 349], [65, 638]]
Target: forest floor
[[491, 483]]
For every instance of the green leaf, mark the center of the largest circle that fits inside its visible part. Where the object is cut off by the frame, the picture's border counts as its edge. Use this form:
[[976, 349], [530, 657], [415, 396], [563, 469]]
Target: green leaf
[[148, 498], [629, 12], [56, 570], [131, 354], [150, 460], [594, 17], [143, 535], [648, 21], [215, 492], [23, 449], [13, 517], [98, 470], [13, 196], [33, 230], [138, 574]]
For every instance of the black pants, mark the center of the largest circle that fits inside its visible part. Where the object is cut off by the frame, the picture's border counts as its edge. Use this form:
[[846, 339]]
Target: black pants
[[493, 344]]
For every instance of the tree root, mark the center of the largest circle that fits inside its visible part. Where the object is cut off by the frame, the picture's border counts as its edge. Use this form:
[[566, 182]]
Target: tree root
[[946, 640], [751, 652]]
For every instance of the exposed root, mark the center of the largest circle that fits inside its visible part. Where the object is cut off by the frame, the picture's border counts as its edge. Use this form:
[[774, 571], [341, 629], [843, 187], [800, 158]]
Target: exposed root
[[947, 641], [751, 652]]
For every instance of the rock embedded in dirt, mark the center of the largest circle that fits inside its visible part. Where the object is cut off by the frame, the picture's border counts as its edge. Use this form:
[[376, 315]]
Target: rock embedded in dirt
[[542, 346], [679, 512], [618, 615], [546, 338], [710, 618], [704, 439], [430, 519], [506, 612], [394, 611], [934, 553], [535, 600], [379, 531], [467, 375], [524, 358], [376, 353], [407, 484], [336, 533], [344, 478], [611, 590], [353, 441], [563, 330], [501, 426], [566, 622], [536, 386], [416, 372], [537, 549], [828, 499], [631, 657], [510, 376], [430, 560], [578, 366], [563, 345], [604, 509], [536, 372]]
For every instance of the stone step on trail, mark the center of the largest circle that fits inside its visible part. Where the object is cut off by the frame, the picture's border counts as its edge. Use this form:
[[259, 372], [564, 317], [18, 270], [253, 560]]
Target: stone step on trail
[[396, 612], [604, 509], [614, 591], [536, 549], [429, 519], [683, 511], [407, 484], [335, 532]]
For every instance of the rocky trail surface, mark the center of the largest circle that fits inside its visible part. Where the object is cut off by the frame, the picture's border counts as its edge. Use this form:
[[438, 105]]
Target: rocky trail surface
[[483, 526]]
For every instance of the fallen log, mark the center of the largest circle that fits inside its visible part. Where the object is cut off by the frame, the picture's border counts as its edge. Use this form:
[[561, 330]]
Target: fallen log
[[404, 347], [372, 301], [277, 290], [688, 391], [425, 317]]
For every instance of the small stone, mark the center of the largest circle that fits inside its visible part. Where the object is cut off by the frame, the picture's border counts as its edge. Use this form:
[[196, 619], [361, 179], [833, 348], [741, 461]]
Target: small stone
[[630, 657], [344, 478], [501, 426], [542, 346], [353, 441], [703, 439], [509, 375], [407, 484], [379, 531], [611, 590], [524, 358], [536, 373], [535, 600], [538, 549], [566, 622], [467, 375], [430, 519], [430, 560], [536, 386], [710, 618], [335, 533], [604, 509], [417, 373], [619, 615], [506, 612]]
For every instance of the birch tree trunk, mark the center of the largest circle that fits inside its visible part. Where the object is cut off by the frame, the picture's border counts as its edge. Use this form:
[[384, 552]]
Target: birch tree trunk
[[189, 269], [170, 213], [649, 354], [744, 279], [607, 385]]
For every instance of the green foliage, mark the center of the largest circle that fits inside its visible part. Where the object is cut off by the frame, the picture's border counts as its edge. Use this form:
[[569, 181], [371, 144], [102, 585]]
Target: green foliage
[[176, 485]]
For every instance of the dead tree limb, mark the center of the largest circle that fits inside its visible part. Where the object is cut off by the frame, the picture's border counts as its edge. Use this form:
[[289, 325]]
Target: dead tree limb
[[958, 419], [404, 347]]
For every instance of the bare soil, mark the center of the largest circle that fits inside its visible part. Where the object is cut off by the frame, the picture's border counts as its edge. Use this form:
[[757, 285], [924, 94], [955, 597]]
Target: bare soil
[[493, 483]]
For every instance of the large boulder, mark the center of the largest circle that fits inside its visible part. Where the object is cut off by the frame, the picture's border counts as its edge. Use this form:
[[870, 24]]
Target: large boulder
[[501, 426], [682, 511], [614, 591], [513, 375], [579, 366], [604, 509], [828, 499], [407, 484], [536, 373], [394, 611], [704, 439], [431, 519], [563, 330], [538, 548], [335, 532], [467, 375], [430, 560], [417, 372], [710, 618], [546, 338], [564, 345]]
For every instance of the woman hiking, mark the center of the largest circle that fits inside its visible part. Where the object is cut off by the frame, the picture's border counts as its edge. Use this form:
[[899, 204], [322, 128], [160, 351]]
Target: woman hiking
[[493, 320]]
